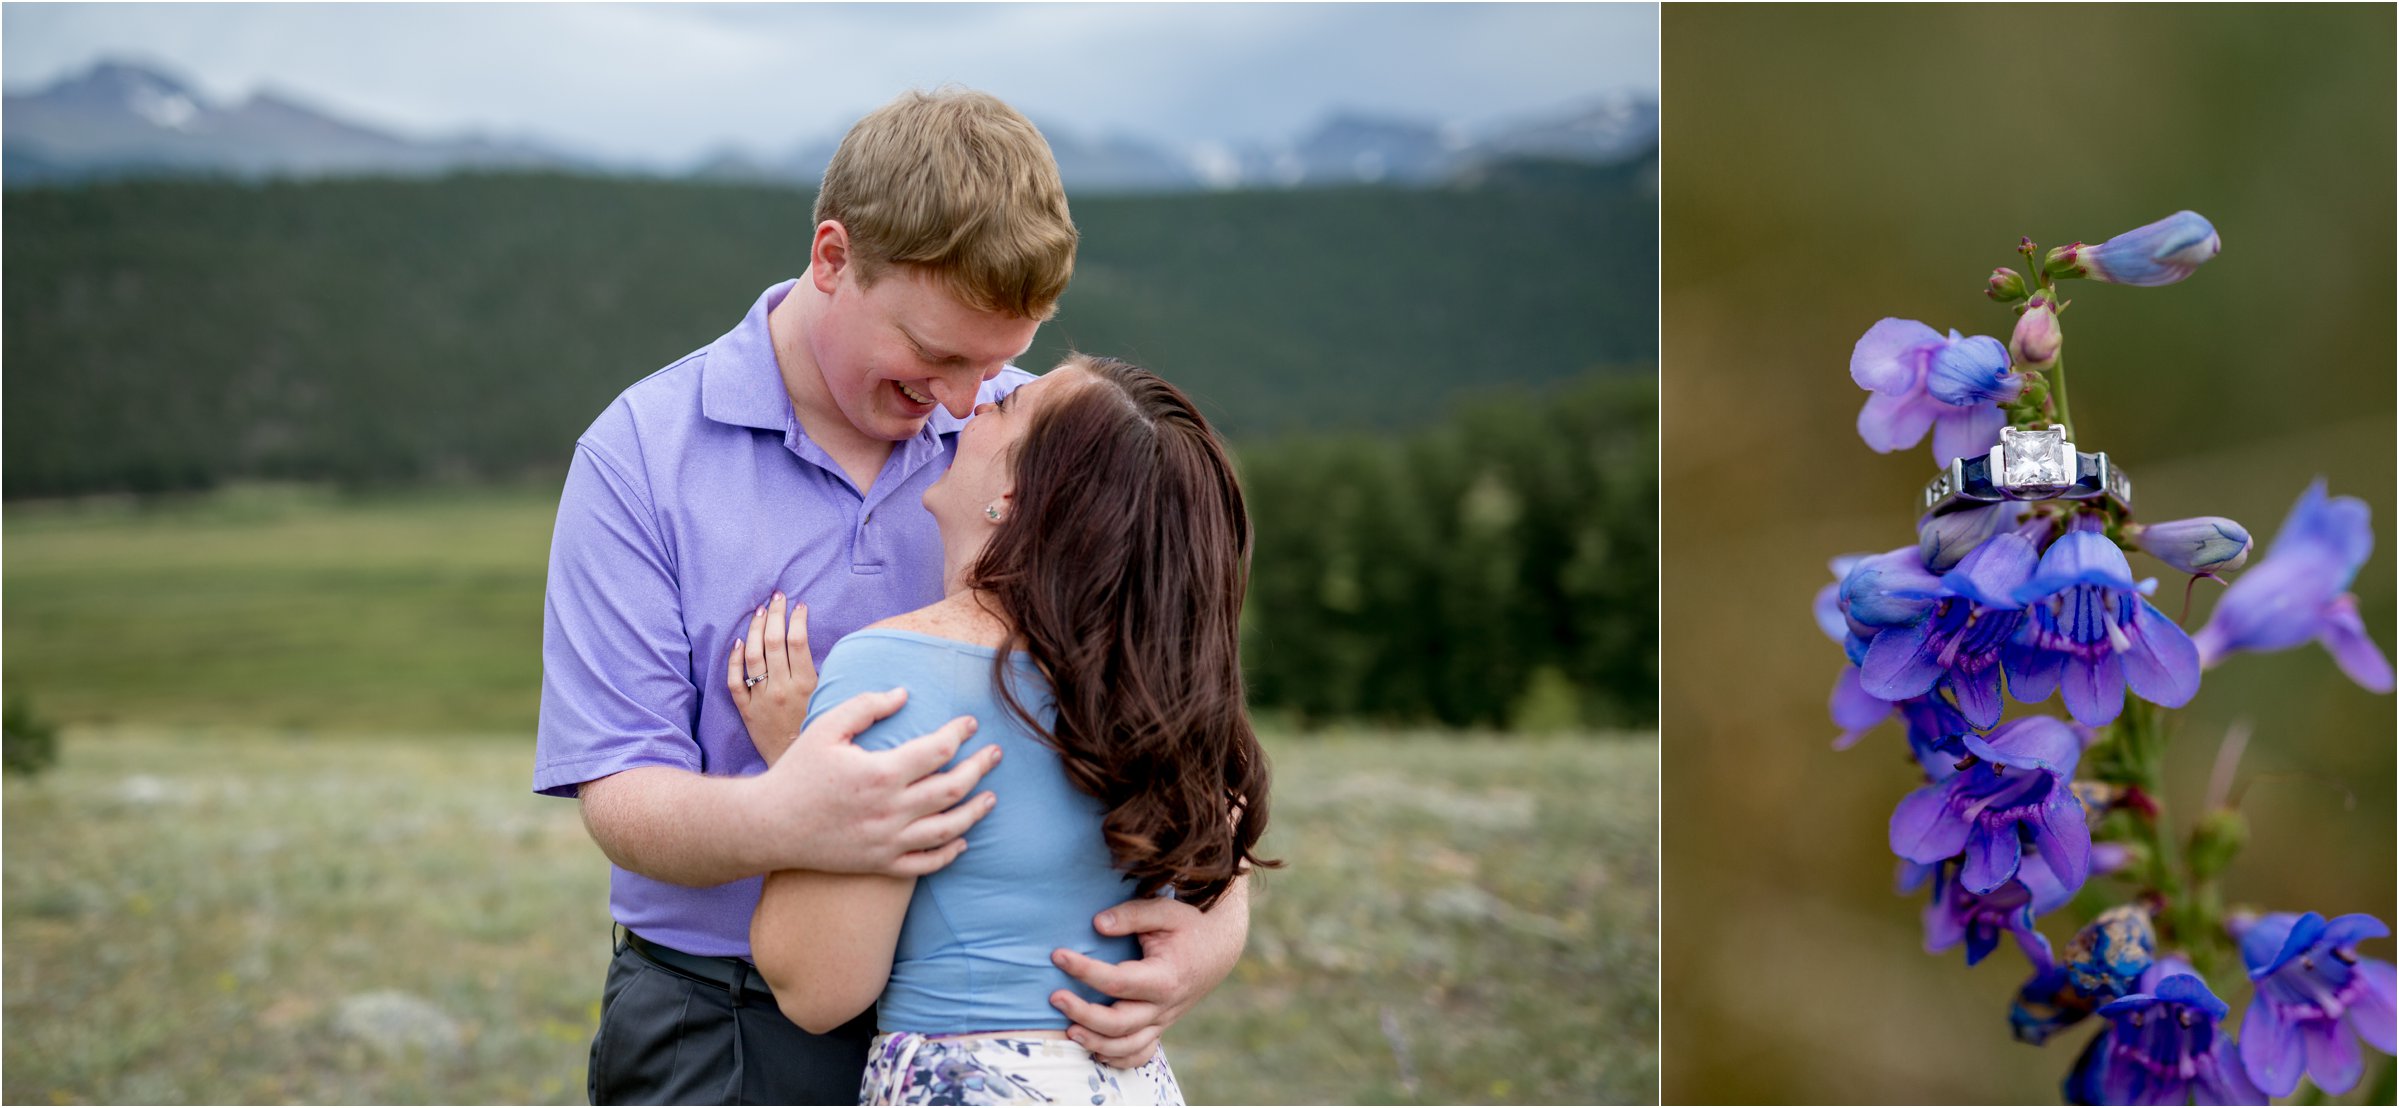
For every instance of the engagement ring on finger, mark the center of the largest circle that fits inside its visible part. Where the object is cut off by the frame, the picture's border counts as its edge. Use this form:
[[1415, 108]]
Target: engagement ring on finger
[[2030, 464], [753, 682]]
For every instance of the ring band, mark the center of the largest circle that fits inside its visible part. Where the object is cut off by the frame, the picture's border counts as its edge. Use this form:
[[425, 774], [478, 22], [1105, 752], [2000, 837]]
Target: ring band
[[748, 682], [2030, 464]]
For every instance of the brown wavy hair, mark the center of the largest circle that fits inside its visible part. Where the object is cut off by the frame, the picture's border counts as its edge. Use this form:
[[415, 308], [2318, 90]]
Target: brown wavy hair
[[1120, 568]]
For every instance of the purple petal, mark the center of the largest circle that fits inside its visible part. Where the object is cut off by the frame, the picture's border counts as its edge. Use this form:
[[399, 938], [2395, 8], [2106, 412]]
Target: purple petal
[[2033, 743], [2276, 605], [2078, 558], [2035, 946], [1970, 372], [1965, 432], [2094, 690], [1928, 826], [2344, 634], [1890, 589], [1890, 356], [1978, 695], [1991, 857], [2063, 838], [1994, 571], [2222, 1080], [2264, 944], [2270, 1049], [1900, 664], [1855, 711], [2041, 880], [2162, 664], [2375, 1011], [1943, 928], [2032, 673], [2352, 929], [2338, 530], [2333, 1060], [1889, 422], [1827, 610], [2188, 988]]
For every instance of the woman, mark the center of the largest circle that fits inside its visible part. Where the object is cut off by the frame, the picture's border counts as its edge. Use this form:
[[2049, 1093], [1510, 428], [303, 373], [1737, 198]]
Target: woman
[[1095, 552]]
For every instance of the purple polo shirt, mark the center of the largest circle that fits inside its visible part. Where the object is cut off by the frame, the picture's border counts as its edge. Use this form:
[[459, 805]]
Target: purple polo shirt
[[689, 502]]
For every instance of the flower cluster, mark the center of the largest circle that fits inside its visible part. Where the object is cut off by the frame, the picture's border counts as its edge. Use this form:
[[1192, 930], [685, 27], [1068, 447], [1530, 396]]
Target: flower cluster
[[2020, 588]]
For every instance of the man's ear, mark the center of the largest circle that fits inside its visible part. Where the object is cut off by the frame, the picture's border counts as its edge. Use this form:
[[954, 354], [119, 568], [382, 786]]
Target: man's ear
[[829, 255]]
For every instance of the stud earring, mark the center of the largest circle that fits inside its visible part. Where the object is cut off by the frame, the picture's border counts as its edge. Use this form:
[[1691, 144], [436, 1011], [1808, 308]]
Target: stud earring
[[992, 512]]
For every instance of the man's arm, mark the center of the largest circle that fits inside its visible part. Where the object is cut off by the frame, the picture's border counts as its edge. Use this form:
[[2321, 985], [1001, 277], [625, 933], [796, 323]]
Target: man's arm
[[618, 698], [1185, 954], [825, 805]]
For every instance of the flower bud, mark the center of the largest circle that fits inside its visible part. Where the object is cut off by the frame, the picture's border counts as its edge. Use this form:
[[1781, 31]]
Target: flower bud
[[2007, 285], [2036, 340], [2201, 546], [2066, 261], [1945, 540], [2160, 253]]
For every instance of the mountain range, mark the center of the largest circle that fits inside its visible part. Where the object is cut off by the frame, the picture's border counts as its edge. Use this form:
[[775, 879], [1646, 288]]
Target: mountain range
[[124, 119]]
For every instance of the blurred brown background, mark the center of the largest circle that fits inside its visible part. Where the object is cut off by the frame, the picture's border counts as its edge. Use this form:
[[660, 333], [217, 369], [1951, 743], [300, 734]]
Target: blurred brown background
[[1826, 167]]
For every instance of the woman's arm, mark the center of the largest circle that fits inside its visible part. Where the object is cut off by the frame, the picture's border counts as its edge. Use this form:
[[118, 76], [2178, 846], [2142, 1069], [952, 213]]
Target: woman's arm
[[824, 941]]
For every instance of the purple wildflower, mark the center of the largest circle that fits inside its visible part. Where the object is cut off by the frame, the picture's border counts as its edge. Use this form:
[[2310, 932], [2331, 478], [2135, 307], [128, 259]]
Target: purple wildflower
[[2092, 633], [1958, 915], [2014, 793], [1961, 620], [1896, 361], [2315, 999], [2162, 1046], [2300, 591]]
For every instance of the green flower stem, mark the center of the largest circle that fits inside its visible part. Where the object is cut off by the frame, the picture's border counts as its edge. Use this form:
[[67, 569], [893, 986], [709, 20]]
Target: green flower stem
[[2190, 908], [2057, 386]]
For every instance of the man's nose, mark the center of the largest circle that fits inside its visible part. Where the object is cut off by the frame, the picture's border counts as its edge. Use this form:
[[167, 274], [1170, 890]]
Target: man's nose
[[958, 397]]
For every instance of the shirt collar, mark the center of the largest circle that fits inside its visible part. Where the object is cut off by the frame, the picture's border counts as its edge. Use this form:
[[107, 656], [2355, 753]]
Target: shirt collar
[[741, 383]]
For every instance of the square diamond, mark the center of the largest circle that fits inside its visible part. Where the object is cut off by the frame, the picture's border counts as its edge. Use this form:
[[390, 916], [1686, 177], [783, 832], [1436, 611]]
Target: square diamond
[[2035, 459]]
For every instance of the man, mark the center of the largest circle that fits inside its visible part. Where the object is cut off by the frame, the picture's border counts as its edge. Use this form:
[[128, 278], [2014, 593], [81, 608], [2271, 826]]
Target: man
[[786, 459]]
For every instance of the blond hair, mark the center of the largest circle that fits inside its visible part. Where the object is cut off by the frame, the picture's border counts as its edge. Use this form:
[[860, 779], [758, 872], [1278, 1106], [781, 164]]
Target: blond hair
[[957, 183]]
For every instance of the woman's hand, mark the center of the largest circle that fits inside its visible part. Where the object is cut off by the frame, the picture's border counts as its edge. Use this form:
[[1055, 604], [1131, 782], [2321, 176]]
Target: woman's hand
[[771, 676]]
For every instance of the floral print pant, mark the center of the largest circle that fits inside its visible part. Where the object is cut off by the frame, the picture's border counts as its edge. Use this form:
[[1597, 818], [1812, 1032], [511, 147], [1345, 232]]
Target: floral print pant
[[908, 1068]]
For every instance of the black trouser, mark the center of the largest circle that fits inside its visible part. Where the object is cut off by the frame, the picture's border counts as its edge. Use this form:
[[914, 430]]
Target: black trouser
[[668, 1037]]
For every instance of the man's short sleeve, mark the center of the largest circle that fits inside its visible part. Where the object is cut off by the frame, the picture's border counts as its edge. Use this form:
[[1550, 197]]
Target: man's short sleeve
[[616, 686]]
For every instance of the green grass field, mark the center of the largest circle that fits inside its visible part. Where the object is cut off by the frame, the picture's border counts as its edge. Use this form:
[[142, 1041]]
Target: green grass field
[[221, 916], [290, 852]]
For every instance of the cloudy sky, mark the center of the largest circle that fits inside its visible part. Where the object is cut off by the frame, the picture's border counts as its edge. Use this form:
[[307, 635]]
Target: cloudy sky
[[667, 83]]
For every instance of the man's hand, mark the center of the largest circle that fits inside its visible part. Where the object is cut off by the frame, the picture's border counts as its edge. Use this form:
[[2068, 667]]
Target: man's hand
[[772, 675], [1185, 954], [824, 805], [855, 811]]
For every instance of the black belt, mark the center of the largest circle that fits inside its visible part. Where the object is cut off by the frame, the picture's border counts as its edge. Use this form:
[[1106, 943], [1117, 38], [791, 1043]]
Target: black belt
[[731, 974]]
